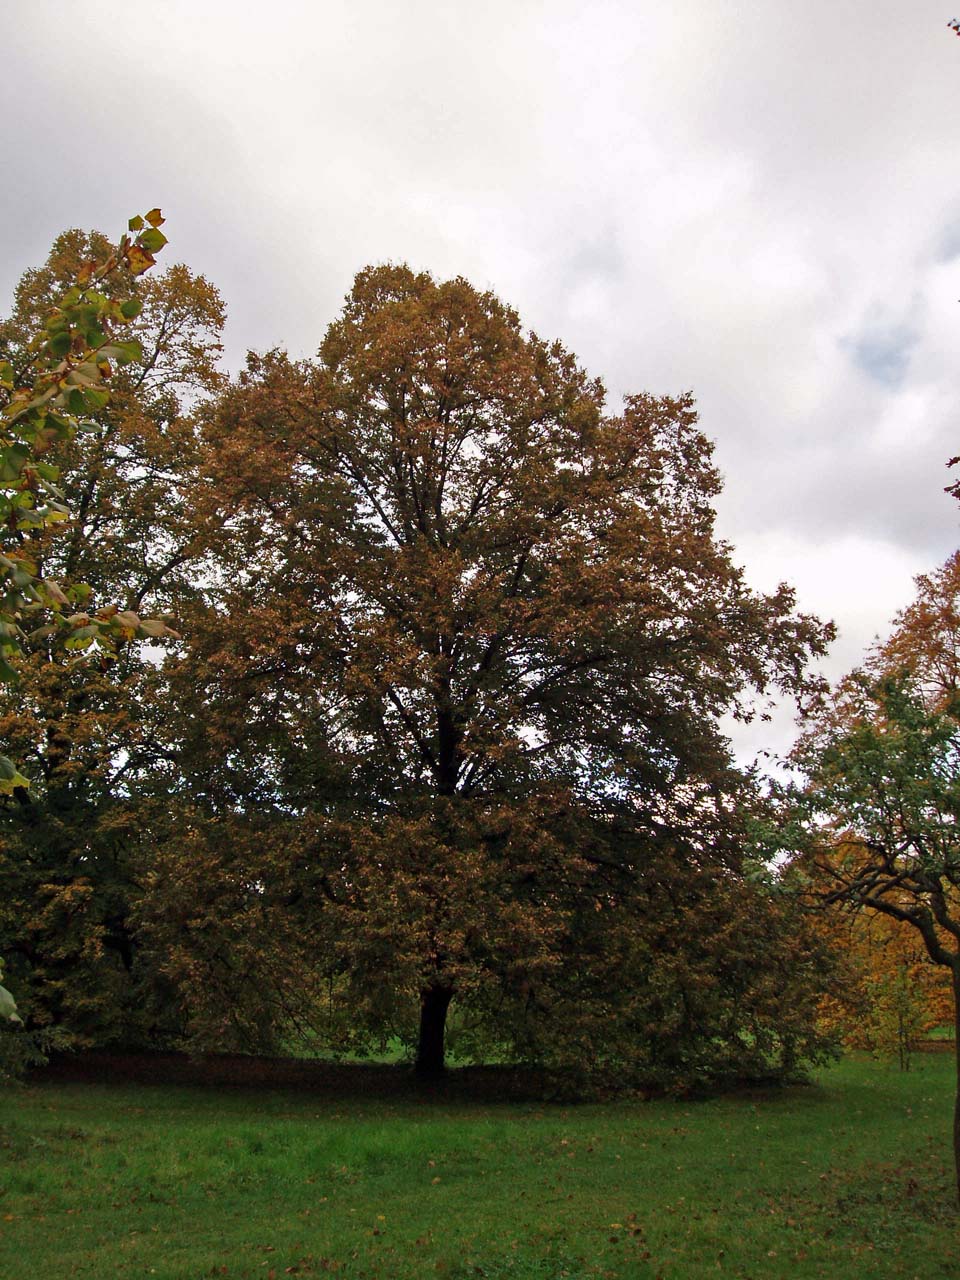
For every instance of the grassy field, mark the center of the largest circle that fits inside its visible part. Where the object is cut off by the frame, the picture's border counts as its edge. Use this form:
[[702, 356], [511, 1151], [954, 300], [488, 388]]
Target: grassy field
[[849, 1177]]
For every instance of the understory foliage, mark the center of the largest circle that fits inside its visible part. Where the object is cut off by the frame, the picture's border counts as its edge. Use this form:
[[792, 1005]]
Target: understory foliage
[[686, 976], [443, 731], [885, 996]]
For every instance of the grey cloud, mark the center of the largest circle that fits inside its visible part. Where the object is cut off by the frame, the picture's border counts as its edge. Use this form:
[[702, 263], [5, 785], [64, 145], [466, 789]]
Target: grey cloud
[[758, 202]]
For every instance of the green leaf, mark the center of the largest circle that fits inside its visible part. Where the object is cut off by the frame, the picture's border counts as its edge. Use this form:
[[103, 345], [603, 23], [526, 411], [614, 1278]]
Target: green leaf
[[83, 315], [93, 334], [55, 591], [95, 399], [153, 240], [12, 461], [154, 627], [135, 224], [88, 632], [124, 352], [8, 1007], [85, 375], [63, 427], [39, 400], [130, 308], [8, 770]]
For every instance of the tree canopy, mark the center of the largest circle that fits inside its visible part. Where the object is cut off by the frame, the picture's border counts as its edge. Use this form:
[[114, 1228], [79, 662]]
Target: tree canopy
[[459, 676], [444, 728]]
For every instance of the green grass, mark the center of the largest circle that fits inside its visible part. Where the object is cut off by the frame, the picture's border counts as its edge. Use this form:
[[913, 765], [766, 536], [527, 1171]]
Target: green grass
[[851, 1177]]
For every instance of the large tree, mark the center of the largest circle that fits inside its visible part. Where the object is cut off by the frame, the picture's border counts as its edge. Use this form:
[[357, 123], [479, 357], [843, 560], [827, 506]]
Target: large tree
[[459, 686]]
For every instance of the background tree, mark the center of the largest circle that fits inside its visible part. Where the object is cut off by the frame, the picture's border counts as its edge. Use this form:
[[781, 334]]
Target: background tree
[[884, 995], [878, 815], [86, 734], [458, 687], [925, 640]]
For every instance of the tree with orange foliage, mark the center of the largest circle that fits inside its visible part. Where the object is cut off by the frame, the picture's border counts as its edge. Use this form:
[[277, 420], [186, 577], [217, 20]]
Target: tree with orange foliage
[[877, 819], [886, 994], [925, 640]]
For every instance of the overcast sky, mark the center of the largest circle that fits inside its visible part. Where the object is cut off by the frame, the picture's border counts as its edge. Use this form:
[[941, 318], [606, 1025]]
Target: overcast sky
[[756, 201]]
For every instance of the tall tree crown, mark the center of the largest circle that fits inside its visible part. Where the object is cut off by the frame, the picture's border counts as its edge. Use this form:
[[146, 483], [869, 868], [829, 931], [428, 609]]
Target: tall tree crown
[[514, 584]]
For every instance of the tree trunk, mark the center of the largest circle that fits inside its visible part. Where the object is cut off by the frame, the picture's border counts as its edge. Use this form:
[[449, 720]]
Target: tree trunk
[[434, 1002]]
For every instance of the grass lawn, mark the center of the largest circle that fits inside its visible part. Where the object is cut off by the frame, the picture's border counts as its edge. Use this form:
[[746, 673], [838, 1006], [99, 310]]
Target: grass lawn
[[850, 1177]]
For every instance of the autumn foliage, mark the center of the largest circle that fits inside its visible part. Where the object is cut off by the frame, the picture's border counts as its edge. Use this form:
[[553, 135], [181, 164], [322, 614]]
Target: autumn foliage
[[458, 675], [79, 718], [441, 745], [885, 995], [874, 827]]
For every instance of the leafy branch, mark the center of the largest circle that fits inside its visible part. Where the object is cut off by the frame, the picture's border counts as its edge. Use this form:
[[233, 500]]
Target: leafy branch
[[43, 404]]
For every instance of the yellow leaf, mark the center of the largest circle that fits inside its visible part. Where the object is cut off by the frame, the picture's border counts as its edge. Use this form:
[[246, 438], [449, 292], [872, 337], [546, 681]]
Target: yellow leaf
[[138, 260]]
